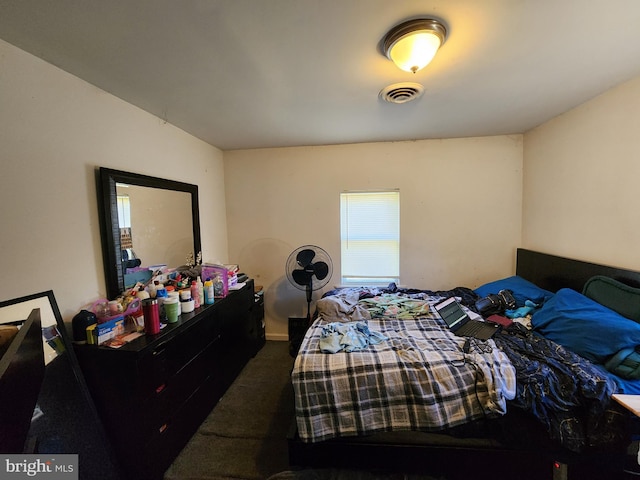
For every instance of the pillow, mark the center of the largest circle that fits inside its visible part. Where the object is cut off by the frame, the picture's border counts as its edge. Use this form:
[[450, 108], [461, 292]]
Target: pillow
[[625, 364], [616, 295], [584, 326], [522, 289]]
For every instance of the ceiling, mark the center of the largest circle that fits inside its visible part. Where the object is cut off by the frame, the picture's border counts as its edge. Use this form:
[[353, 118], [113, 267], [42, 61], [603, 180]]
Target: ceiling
[[271, 73]]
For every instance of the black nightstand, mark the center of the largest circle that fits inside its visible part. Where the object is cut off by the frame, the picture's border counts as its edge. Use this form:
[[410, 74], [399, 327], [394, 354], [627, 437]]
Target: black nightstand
[[257, 315]]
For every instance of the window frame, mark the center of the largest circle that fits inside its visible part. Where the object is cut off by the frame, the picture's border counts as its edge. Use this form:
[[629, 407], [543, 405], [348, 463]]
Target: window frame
[[377, 252]]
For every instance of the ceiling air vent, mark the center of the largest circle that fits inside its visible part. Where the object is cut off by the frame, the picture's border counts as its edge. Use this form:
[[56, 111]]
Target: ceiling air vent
[[402, 92]]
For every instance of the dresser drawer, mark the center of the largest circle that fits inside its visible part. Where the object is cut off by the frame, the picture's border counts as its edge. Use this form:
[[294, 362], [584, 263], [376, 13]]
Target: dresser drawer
[[157, 367], [154, 457], [154, 413]]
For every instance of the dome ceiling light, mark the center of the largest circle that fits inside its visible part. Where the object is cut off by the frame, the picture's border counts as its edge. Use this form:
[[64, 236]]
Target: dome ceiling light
[[411, 45]]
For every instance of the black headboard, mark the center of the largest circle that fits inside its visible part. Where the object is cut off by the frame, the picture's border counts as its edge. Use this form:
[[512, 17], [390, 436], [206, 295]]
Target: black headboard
[[553, 273]]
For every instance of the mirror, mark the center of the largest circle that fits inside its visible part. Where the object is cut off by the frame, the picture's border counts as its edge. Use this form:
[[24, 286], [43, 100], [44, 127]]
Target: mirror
[[65, 420], [145, 221]]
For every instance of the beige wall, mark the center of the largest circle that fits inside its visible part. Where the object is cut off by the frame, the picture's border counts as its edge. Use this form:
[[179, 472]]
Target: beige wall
[[581, 174], [460, 210], [465, 205], [54, 131]]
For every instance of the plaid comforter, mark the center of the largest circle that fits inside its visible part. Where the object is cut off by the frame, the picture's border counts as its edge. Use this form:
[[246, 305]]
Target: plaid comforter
[[419, 378]]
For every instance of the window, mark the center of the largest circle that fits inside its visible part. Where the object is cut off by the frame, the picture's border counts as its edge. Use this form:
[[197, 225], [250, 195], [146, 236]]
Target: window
[[124, 211], [124, 221], [370, 237]]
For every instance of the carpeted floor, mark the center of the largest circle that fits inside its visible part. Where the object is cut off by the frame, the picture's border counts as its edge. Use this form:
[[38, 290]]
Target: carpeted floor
[[244, 437]]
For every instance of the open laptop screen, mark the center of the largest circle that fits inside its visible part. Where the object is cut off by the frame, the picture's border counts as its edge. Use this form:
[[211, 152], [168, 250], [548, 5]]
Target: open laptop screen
[[451, 312]]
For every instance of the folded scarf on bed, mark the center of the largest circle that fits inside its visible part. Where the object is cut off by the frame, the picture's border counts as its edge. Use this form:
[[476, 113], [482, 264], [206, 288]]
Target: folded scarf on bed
[[349, 337]]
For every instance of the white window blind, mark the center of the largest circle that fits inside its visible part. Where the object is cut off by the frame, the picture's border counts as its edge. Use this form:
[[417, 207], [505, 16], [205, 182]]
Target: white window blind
[[370, 237], [124, 211]]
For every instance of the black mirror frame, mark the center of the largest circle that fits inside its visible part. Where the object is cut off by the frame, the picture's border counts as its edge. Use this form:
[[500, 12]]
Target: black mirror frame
[[110, 230]]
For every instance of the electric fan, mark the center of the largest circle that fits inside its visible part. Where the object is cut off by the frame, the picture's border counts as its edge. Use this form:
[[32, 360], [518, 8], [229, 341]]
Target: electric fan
[[309, 268]]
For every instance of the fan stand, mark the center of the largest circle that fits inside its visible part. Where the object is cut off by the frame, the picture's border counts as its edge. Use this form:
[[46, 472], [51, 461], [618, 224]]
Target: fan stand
[[304, 265], [309, 295]]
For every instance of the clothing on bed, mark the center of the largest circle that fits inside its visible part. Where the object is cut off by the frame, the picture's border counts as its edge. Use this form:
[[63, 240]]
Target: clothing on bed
[[417, 379], [348, 337], [522, 290], [343, 307], [392, 305], [568, 394], [420, 379]]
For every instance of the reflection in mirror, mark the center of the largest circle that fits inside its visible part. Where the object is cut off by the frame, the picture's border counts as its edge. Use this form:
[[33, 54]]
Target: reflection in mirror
[[146, 222], [155, 228]]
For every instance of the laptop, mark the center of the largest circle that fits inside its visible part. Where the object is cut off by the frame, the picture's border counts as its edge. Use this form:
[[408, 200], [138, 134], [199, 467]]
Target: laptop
[[459, 322]]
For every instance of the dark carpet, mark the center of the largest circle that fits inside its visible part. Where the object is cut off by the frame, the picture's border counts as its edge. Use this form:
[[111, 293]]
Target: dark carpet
[[245, 436]]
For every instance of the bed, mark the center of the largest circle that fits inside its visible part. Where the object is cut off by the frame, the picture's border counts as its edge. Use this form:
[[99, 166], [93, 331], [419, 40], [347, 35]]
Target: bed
[[391, 387]]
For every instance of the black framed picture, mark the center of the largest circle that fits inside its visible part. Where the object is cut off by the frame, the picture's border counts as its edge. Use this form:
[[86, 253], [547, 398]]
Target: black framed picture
[[64, 420]]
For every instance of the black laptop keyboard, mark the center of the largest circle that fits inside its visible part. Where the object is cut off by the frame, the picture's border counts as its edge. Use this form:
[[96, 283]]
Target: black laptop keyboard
[[472, 327]]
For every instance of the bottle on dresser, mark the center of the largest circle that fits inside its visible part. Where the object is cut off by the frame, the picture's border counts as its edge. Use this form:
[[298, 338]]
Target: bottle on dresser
[[200, 290], [195, 294], [209, 295]]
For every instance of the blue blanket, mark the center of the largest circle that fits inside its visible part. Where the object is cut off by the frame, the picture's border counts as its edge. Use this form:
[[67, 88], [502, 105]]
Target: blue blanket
[[568, 394], [584, 326]]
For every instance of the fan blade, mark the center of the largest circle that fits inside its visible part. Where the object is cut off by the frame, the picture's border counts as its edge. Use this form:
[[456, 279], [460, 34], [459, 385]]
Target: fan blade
[[321, 270], [304, 257], [302, 277]]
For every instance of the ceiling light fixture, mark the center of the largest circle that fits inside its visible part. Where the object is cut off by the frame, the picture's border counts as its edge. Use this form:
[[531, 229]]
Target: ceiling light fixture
[[413, 44]]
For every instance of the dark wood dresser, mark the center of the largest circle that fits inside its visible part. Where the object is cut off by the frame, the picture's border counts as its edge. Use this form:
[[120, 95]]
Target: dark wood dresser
[[153, 393]]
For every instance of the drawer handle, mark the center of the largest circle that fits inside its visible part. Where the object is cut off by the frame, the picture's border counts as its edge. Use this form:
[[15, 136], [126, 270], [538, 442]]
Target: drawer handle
[[159, 350], [160, 388]]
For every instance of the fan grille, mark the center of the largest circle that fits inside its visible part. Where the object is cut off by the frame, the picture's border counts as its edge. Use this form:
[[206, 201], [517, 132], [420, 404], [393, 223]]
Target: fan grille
[[309, 268], [402, 92], [309, 265]]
